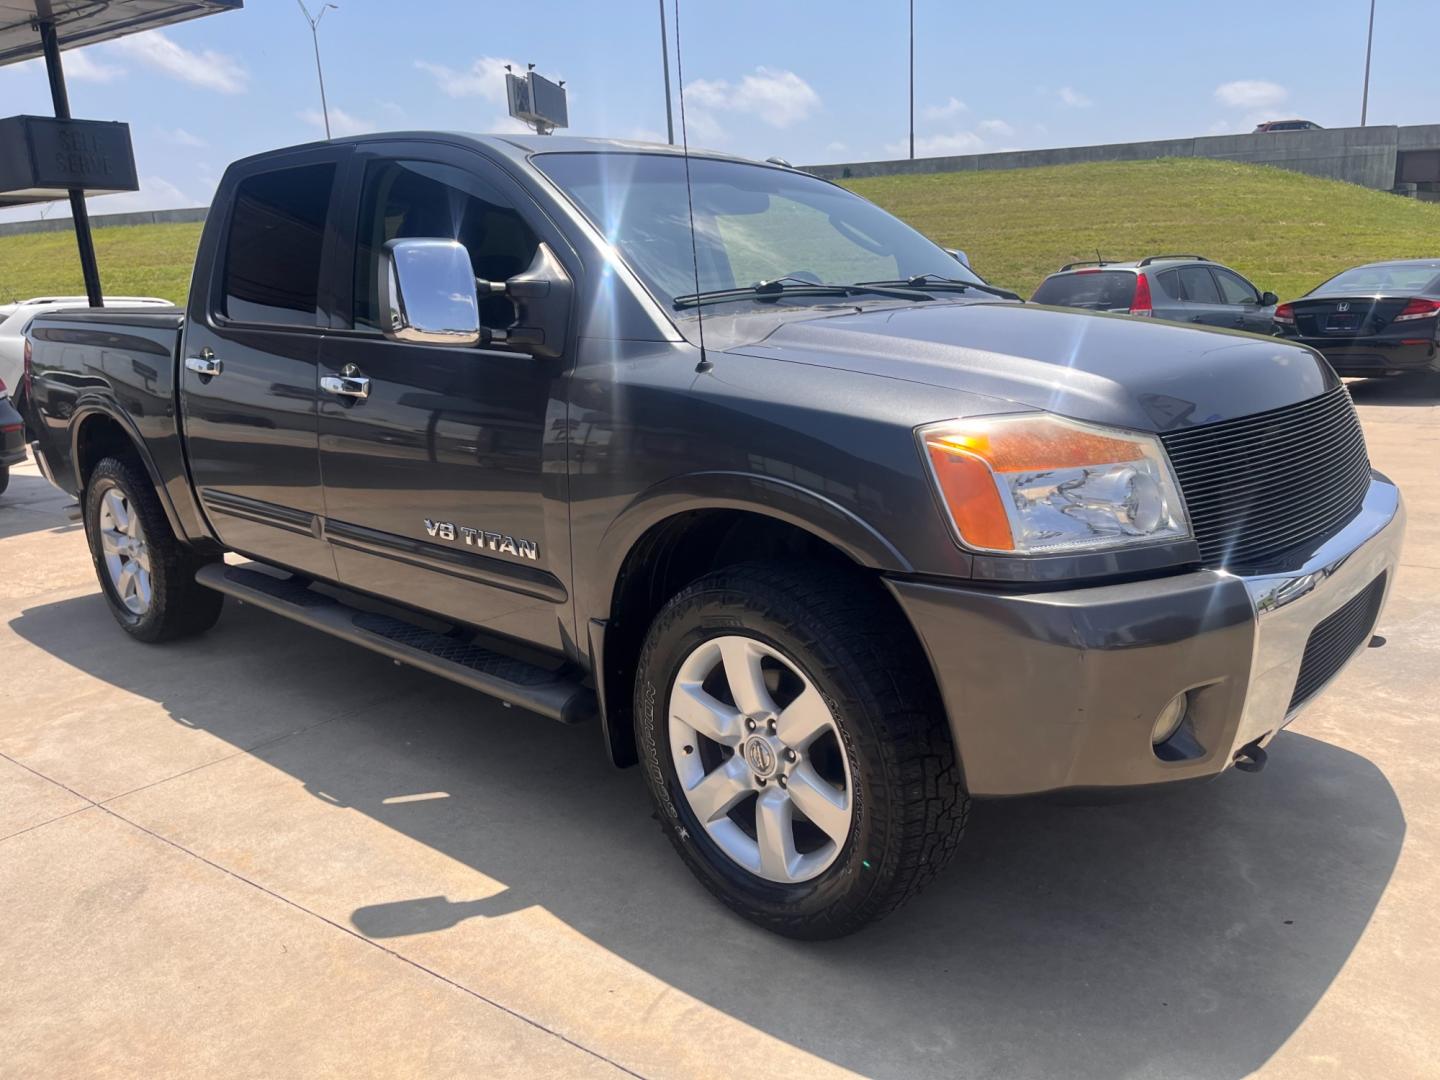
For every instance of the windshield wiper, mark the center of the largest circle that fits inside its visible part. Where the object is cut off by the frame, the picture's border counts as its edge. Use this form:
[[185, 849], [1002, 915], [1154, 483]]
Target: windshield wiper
[[772, 290], [948, 284]]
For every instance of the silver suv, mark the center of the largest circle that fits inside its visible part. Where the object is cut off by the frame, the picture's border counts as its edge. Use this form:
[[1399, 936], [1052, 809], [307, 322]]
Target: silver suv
[[1181, 288]]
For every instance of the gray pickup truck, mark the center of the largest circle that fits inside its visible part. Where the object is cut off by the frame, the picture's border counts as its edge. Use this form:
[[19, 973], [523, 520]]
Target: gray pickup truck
[[817, 527]]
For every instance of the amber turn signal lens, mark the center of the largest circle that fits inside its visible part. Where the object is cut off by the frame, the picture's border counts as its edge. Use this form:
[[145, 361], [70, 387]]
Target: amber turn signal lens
[[1040, 483]]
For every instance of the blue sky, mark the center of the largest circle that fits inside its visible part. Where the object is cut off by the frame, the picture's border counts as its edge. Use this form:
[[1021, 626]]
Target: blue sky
[[811, 82]]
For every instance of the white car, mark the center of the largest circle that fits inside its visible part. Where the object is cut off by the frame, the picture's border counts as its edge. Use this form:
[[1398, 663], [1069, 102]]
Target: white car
[[15, 320]]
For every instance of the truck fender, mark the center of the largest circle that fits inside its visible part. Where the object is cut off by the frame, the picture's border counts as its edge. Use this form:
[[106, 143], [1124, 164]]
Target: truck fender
[[89, 409], [723, 490]]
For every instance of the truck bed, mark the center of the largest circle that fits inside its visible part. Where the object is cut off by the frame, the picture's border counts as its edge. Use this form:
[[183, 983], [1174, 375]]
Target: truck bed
[[121, 362], [147, 317]]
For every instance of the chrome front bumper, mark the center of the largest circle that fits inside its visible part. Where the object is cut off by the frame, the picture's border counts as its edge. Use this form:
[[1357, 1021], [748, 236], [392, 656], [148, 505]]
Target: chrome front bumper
[[1290, 604]]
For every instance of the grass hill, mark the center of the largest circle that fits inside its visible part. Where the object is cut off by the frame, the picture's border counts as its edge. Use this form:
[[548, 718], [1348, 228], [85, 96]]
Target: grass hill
[[1284, 231], [135, 260]]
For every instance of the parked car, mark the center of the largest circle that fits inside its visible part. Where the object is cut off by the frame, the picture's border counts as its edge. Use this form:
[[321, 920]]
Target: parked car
[[829, 536], [15, 320], [1376, 319], [1285, 125], [12, 437], [1182, 288]]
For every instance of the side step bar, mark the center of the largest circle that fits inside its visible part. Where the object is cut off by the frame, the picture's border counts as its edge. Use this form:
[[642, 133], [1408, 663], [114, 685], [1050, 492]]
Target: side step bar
[[558, 694]]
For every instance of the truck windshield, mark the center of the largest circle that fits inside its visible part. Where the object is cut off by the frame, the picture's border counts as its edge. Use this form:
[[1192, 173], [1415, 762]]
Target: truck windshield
[[753, 223]]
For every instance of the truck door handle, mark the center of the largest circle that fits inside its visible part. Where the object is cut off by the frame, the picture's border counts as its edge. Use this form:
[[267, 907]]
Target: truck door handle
[[352, 386], [205, 364]]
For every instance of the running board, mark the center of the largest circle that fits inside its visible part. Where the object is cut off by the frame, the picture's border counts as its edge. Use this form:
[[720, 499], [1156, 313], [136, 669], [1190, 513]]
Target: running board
[[560, 694]]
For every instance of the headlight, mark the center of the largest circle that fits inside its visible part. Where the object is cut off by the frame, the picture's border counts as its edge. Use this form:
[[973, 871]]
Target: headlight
[[1038, 484]]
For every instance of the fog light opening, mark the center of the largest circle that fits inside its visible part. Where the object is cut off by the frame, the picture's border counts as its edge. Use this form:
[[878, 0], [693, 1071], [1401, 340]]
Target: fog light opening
[[1170, 719], [1172, 736]]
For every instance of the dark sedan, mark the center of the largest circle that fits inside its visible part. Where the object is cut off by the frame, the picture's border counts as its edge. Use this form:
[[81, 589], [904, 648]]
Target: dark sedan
[[1376, 319]]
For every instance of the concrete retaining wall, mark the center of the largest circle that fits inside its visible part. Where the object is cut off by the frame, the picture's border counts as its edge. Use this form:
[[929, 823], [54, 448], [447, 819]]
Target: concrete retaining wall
[[1365, 156], [104, 221]]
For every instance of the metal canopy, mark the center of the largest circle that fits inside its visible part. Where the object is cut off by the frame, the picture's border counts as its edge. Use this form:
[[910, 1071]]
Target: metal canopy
[[84, 22]]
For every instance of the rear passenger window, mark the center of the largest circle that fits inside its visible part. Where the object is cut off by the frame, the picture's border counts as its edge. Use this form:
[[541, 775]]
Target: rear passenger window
[[272, 255], [1198, 285], [409, 200], [1169, 283]]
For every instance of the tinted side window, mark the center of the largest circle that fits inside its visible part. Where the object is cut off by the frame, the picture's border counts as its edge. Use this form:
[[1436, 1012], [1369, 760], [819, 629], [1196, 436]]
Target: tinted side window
[[1098, 290], [1235, 289], [1169, 283], [409, 200], [1198, 285], [272, 255]]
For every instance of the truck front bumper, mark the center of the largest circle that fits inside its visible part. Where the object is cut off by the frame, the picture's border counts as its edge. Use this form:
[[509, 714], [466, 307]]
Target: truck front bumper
[[1051, 691]]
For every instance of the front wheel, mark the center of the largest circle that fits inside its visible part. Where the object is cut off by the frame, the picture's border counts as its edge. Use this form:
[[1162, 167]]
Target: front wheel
[[146, 574], [793, 741]]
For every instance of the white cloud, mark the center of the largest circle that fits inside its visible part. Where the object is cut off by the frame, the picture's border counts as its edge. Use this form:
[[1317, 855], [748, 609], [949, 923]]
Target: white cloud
[[207, 68], [505, 124], [156, 193], [836, 146], [995, 127], [341, 122], [779, 98], [1250, 94], [1219, 127], [959, 142], [81, 64], [952, 107], [180, 137], [484, 78], [1073, 99]]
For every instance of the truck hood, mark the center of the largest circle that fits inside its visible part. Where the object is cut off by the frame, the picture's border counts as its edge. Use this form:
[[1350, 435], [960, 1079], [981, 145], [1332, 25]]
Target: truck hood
[[1110, 369]]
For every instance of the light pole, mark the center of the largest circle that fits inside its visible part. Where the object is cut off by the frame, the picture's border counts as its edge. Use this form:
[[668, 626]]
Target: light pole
[[912, 80], [315, 38], [665, 60], [1369, 39]]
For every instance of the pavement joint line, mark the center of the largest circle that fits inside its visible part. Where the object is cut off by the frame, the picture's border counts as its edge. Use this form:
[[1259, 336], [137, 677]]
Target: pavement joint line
[[48, 821], [92, 804]]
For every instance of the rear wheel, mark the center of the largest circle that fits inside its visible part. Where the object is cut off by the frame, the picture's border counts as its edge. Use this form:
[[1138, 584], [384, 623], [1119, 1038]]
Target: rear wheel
[[4, 478], [146, 574], [794, 744]]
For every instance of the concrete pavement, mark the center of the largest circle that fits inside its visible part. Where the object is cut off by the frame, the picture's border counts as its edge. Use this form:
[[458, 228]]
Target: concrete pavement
[[266, 853]]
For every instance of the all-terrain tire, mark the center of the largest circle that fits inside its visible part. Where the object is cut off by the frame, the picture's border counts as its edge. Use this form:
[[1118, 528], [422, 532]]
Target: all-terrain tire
[[178, 606], [849, 640]]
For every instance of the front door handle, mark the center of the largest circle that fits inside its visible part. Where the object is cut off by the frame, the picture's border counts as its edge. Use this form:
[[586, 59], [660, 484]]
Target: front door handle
[[346, 384], [205, 364]]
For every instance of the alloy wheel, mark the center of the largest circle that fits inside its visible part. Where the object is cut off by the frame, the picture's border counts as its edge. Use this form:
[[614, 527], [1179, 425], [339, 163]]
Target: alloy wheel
[[127, 558], [760, 759]]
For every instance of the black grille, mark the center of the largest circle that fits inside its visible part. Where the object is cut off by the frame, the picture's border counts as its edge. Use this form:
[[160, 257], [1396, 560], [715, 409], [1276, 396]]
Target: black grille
[[1262, 485], [1335, 639]]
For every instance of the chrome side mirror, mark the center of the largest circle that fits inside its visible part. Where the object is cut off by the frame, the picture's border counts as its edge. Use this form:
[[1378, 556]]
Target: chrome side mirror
[[959, 256], [428, 294]]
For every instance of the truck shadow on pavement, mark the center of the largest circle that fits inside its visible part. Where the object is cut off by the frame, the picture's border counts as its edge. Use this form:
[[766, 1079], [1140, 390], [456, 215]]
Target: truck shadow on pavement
[[1187, 934], [29, 504]]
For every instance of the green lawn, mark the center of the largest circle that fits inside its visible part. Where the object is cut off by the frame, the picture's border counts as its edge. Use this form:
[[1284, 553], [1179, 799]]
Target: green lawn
[[136, 260], [1285, 231]]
